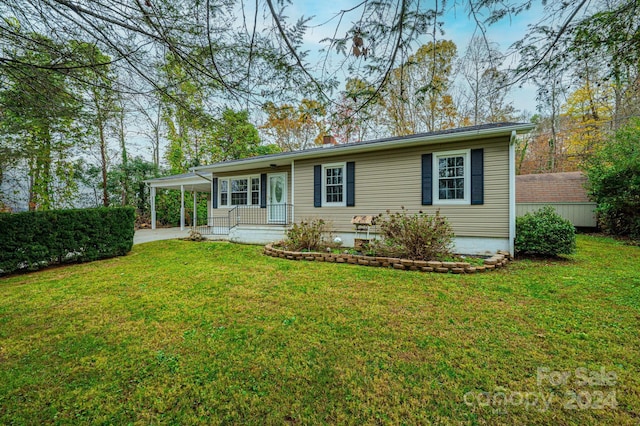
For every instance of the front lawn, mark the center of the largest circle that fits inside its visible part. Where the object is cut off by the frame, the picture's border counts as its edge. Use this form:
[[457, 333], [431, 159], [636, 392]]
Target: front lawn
[[181, 332]]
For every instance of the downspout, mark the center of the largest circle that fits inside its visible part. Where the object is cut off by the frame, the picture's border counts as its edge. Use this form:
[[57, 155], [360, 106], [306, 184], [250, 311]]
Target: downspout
[[512, 193]]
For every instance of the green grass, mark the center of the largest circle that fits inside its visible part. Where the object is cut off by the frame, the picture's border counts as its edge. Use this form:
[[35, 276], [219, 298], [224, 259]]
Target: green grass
[[180, 332]]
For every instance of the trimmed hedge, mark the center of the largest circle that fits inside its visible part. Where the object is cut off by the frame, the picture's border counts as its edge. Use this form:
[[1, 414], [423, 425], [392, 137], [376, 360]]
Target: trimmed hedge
[[544, 232], [33, 240]]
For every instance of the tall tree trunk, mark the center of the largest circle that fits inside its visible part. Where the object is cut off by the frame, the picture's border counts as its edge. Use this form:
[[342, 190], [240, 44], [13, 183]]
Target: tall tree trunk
[[124, 184], [553, 141], [33, 176], [156, 134], [618, 90], [476, 100], [42, 197], [103, 163]]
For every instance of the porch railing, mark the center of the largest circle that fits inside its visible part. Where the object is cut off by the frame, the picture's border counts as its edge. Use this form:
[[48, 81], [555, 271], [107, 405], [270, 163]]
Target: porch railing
[[219, 225], [225, 221]]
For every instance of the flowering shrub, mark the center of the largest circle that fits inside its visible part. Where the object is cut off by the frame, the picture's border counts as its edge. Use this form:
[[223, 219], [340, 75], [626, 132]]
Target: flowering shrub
[[309, 235], [417, 236]]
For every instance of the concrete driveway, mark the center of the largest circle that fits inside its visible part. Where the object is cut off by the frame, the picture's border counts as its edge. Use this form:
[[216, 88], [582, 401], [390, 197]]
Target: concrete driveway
[[147, 235]]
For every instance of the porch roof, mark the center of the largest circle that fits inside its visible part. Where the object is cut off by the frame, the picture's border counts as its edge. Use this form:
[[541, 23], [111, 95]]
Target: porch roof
[[193, 181]]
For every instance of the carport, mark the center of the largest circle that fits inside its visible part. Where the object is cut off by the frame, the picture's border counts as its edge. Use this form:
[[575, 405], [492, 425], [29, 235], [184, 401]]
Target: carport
[[187, 182]]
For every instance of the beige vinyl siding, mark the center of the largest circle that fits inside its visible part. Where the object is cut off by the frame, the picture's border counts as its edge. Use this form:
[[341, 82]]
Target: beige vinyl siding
[[392, 178]]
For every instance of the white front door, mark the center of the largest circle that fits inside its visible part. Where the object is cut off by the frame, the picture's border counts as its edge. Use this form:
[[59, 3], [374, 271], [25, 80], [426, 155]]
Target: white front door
[[277, 198]]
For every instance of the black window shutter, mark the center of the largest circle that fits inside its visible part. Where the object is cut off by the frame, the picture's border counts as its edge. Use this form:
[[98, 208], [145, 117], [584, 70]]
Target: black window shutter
[[477, 176], [351, 184], [214, 194], [427, 179], [317, 186], [263, 191]]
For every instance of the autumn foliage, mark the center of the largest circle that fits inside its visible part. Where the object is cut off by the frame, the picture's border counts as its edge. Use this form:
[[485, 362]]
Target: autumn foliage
[[614, 181]]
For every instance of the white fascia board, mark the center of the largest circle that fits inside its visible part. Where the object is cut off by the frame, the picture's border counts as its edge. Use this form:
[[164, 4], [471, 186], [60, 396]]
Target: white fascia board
[[177, 182], [171, 184], [191, 187]]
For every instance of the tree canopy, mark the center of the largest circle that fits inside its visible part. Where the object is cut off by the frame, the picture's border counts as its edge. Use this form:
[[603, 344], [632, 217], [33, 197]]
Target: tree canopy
[[182, 83], [257, 51]]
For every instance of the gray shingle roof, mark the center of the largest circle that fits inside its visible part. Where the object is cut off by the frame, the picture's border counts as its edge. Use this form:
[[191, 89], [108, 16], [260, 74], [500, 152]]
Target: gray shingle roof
[[372, 142]]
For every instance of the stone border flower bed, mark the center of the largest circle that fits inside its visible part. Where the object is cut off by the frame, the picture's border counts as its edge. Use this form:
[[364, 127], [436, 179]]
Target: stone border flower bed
[[496, 261]]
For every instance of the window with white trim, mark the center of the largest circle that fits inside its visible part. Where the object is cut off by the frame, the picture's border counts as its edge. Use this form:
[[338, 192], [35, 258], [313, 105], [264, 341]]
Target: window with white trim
[[255, 190], [334, 185], [452, 172], [224, 192], [239, 191]]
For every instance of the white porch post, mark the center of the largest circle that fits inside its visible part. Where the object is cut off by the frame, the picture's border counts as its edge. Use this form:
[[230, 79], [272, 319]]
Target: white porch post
[[194, 222], [153, 207], [182, 207]]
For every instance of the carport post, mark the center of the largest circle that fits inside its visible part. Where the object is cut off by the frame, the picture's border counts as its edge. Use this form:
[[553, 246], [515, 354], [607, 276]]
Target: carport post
[[153, 207], [194, 222], [182, 207]]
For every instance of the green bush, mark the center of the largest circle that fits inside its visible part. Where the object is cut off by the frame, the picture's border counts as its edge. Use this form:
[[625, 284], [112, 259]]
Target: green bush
[[614, 182], [33, 240], [419, 236], [308, 235], [544, 232]]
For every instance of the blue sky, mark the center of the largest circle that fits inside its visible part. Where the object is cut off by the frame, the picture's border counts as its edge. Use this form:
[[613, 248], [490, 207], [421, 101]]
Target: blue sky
[[458, 26]]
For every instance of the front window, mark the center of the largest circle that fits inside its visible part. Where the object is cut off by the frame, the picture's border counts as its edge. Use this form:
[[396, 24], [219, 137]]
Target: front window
[[334, 185], [240, 191], [239, 195], [451, 178], [255, 190], [452, 185], [224, 192]]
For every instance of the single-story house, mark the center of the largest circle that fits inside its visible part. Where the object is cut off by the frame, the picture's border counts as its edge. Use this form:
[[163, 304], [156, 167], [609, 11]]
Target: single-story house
[[564, 191], [466, 173]]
